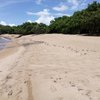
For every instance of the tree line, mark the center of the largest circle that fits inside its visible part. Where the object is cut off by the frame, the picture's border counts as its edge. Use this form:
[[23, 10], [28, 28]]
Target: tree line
[[25, 29], [86, 21]]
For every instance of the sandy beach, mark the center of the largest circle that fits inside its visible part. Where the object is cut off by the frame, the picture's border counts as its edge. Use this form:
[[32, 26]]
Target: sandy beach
[[51, 67]]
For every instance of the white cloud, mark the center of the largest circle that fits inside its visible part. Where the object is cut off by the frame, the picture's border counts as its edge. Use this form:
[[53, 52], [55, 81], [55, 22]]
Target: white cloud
[[77, 4], [43, 16], [45, 19], [11, 24], [4, 23], [45, 12], [61, 14], [29, 21], [30, 13], [61, 7], [4, 3], [39, 1]]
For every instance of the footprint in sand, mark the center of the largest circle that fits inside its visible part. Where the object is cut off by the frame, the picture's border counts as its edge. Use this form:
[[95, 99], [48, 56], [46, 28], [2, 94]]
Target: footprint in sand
[[10, 93], [88, 93], [19, 71], [87, 50], [46, 43], [63, 47], [98, 90], [66, 72], [60, 78], [53, 88], [79, 89], [83, 50], [51, 77], [20, 91], [85, 53], [54, 45], [9, 77], [55, 81], [98, 76], [76, 51], [72, 84], [59, 98]]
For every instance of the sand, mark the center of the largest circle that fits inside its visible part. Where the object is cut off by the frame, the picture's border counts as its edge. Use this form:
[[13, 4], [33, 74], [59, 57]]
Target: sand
[[51, 67]]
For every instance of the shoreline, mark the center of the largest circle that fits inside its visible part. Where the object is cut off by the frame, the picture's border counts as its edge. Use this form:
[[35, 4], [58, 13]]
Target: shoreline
[[3, 42], [9, 48]]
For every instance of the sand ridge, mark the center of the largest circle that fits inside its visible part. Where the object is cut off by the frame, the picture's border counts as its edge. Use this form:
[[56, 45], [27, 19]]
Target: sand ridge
[[51, 67]]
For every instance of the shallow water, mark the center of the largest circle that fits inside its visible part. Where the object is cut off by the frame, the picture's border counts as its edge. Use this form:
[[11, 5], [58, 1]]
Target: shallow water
[[3, 42]]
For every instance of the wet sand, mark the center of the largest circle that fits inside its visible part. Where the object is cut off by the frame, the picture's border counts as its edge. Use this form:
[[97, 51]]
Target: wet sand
[[51, 67]]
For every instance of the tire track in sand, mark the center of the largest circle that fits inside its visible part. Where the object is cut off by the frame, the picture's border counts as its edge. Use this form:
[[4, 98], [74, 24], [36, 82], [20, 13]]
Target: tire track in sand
[[30, 93]]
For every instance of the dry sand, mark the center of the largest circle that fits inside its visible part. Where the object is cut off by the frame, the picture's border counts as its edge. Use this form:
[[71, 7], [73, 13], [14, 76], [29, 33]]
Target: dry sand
[[51, 67]]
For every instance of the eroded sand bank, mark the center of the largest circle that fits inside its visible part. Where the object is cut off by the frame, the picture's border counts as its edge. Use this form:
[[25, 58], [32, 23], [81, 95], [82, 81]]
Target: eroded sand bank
[[51, 67]]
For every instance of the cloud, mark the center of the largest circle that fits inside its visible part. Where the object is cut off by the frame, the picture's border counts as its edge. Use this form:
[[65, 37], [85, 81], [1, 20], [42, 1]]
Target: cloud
[[4, 3], [45, 12], [70, 5], [30, 13], [44, 16], [11, 24], [39, 1], [61, 14], [4, 23], [61, 7], [29, 21], [77, 4], [44, 19]]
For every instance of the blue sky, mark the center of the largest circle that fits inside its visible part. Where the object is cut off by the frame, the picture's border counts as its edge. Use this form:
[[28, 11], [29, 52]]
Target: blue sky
[[15, 12]]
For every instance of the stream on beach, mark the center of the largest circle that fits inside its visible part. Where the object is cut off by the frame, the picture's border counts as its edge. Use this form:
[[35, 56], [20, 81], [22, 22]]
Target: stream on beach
[[3, 42]]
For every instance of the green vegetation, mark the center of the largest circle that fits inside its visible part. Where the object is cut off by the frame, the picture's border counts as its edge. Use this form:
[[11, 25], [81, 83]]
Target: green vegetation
[[30, 28], [25, 29], [85, 22]]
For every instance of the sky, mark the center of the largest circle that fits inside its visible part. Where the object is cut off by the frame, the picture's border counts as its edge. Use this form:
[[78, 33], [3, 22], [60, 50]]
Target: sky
[[16, 12]]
